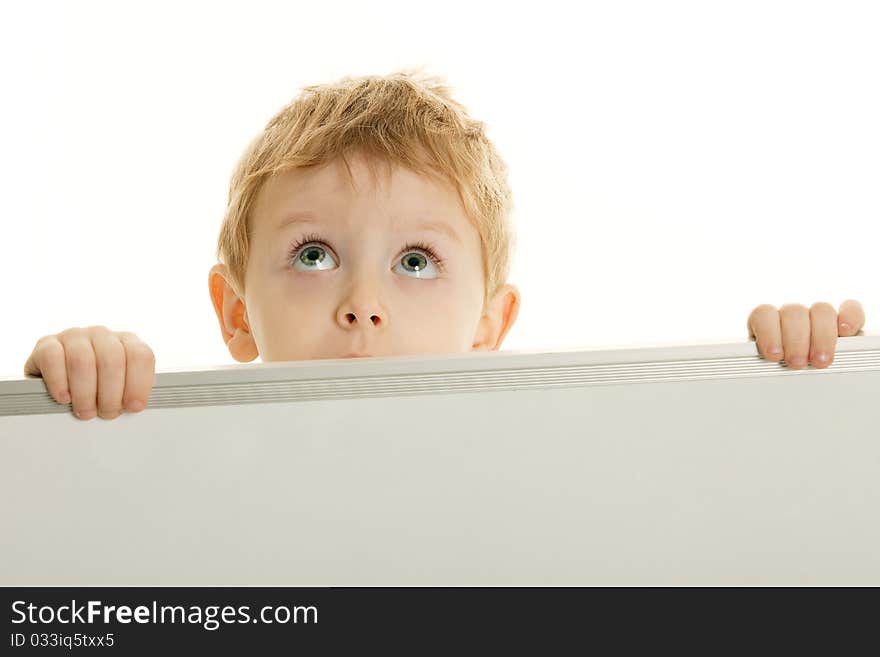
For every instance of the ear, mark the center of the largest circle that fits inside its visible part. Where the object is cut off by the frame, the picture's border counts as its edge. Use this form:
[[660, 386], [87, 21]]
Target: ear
[[232, 315], [500, 315]]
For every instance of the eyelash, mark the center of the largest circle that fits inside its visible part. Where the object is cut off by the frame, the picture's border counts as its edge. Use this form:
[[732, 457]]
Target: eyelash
[[417, 246]]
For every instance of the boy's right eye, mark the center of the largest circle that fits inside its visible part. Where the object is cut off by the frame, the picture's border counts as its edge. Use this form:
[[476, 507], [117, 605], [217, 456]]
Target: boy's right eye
[[312, 257]]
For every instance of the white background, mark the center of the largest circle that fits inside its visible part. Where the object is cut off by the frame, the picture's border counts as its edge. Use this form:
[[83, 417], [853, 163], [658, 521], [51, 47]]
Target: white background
[[674, 164]]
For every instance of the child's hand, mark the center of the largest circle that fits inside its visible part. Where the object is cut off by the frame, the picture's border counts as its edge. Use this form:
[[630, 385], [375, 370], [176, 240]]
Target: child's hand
[[802, 335], [95, 368]]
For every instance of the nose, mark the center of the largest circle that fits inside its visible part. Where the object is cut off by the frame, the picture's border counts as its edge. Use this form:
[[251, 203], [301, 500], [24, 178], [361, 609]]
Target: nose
[[360, 312], [351, 318]]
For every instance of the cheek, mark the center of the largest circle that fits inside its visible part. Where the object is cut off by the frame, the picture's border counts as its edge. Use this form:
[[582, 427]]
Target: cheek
[[291, 303], [438, 302], [433, 319], [291, 329], [423, 292], [298, 288]]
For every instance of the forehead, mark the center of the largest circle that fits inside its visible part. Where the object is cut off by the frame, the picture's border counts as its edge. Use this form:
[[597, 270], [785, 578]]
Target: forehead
[[331, 186], [327, 194]]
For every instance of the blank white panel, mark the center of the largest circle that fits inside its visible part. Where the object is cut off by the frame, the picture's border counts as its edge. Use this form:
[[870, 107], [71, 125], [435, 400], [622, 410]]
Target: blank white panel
[[692, 464]]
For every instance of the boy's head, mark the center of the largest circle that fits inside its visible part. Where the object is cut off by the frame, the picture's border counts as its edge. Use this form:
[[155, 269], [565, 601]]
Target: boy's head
[[370, 217]]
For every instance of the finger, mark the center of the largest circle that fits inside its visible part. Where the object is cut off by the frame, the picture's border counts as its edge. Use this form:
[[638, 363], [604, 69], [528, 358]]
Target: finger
[[764, 327], [82, 376], [794, 319], [823, 334], [47, 361], [110, 361], [851, 318], [139, 372]]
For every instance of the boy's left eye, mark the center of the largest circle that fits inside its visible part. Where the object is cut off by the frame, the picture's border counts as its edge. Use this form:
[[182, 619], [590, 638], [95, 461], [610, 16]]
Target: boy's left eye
[[416, 263]]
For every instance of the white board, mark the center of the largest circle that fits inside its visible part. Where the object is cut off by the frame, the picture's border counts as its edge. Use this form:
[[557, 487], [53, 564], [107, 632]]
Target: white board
[[692, 464]]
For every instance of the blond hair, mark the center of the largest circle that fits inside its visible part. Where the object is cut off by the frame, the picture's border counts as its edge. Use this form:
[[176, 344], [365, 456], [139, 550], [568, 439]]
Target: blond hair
[[403, 118]]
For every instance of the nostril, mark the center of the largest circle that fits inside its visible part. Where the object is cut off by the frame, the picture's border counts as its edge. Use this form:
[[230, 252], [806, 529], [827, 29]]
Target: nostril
[[352, 318]]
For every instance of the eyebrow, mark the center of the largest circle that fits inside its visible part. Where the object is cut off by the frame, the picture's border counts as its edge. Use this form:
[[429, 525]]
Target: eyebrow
[[433, 226]]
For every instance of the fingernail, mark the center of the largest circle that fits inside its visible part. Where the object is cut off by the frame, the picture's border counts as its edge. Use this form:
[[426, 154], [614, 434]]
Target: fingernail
[[775, 350], [844, 326], [135, 406], [86, 415], [64, 397], [822, 357]]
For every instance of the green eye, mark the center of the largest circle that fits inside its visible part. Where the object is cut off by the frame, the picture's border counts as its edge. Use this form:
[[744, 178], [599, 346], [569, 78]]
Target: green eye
[[419, 258], [415, 262], [312, 255]]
